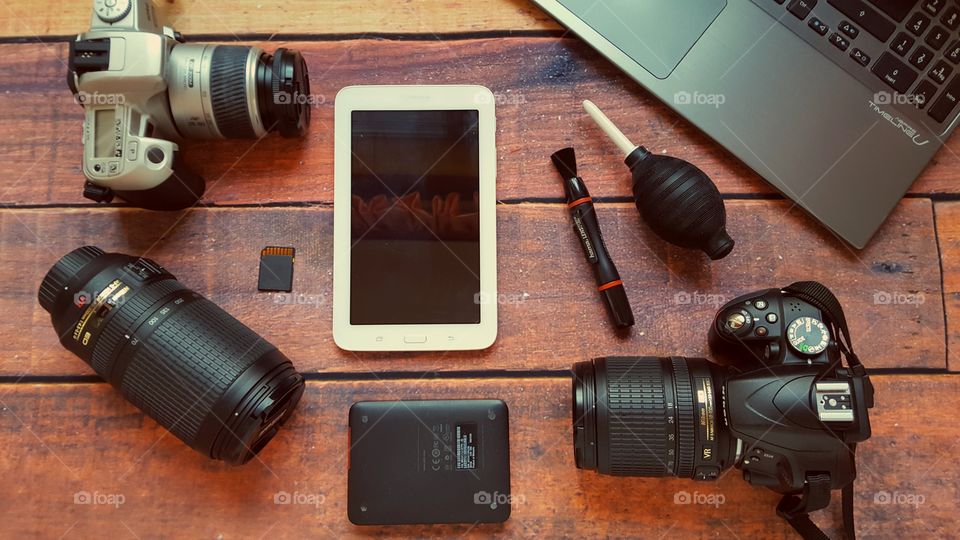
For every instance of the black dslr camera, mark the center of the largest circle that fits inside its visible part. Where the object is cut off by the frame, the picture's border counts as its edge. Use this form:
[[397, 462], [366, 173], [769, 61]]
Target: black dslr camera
[[784, 410]]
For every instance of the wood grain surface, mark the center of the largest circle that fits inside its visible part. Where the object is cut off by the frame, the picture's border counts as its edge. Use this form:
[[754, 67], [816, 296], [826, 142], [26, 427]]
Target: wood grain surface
[[37, 20], [539, 84], [948, 235], [550, 313], [84, 439], [66, 437]]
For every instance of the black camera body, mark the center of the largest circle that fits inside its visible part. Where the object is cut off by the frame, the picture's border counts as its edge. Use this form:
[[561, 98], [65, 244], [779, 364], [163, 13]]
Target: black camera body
[[787, 368]]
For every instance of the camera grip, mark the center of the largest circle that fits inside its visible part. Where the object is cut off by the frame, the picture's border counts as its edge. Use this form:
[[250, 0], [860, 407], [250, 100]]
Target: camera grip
[[182, 189]]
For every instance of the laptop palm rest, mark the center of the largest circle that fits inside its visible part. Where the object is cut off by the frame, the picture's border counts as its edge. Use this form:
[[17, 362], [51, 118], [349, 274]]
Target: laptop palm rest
[[656, 34]]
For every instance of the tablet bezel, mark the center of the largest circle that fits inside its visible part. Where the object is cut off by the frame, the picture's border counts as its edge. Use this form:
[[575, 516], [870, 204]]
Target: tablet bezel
[[438, 337]]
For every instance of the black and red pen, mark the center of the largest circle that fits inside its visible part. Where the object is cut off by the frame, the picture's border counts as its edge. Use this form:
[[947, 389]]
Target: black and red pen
[[587, 228]]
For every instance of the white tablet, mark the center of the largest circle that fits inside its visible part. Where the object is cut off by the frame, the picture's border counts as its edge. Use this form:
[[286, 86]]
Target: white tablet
[[415, 218]]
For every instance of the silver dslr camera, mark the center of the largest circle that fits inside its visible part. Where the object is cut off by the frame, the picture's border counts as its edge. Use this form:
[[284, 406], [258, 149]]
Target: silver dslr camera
[[142, 88]]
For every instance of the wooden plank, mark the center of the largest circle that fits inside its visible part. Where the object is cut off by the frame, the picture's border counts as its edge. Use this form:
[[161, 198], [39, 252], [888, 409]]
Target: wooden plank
[[294, 16], [68, 439], [550, 315], [948, 237], [539, 83]]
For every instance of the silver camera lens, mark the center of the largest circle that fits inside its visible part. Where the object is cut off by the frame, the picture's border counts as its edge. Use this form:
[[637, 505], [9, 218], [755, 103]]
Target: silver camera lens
[[237, 92]]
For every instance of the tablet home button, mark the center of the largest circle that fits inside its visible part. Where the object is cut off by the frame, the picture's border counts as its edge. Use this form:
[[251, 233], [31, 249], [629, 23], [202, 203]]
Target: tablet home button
[[414, 339]]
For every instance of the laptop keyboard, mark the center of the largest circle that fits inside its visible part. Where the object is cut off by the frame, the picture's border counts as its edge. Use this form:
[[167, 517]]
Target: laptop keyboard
[[907, 50]]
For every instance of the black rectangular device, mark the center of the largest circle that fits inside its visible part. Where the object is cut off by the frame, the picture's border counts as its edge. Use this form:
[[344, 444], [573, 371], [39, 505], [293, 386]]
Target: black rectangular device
[[415, 226], [427, 462]]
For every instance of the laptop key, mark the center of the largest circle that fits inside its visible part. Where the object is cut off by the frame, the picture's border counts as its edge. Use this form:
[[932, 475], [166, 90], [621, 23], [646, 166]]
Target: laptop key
[[918, 23], [940, 72], [897, 9], [850, 30], [818, 26], [838, 41], [902, 43], [860, 57], [951, 17], [801, 8], [947, 101], [866, 17], [933, 7], [953, 52], [921, 57], [923, 94], [937, 36], [894, 72]]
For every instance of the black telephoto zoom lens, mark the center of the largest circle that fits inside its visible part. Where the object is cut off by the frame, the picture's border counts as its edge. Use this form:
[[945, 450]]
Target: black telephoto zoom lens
[[649, 416], [188, 364]]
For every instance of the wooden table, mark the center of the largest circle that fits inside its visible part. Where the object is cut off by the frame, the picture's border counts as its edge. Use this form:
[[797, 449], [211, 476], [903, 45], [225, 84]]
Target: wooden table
[[63, 432]]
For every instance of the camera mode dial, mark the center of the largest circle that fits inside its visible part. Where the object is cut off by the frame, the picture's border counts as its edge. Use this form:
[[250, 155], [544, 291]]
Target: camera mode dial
[[808, 336], [111, 11]]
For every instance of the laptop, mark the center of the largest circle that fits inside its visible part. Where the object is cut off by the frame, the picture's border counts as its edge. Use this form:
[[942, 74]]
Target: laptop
[[839, 104]]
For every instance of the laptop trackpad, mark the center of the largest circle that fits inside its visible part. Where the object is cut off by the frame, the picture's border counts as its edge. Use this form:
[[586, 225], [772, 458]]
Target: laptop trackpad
[[657, 34]]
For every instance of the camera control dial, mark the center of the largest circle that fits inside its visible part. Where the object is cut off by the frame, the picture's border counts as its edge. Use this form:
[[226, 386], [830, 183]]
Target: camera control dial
[[111, 11], [808, 335]]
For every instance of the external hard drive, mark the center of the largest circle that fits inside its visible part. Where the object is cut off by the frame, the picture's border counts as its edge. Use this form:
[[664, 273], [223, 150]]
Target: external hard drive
[[426, 462]]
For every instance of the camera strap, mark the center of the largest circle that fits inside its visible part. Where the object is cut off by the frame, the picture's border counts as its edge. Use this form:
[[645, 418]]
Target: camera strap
[[816, 492]]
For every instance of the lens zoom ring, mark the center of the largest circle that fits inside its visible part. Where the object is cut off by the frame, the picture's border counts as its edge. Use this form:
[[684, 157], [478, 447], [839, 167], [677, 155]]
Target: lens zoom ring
[[228, 91], [685, 418], [638, 427], [123, 319], [188, 363]]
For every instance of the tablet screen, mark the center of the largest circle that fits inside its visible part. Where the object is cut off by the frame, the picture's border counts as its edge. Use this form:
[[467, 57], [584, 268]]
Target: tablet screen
[[415, 225]]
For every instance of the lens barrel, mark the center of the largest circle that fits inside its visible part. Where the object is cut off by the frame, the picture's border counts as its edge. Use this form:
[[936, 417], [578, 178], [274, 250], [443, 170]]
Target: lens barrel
[[188, 364], [237, 91], [649, 416]]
